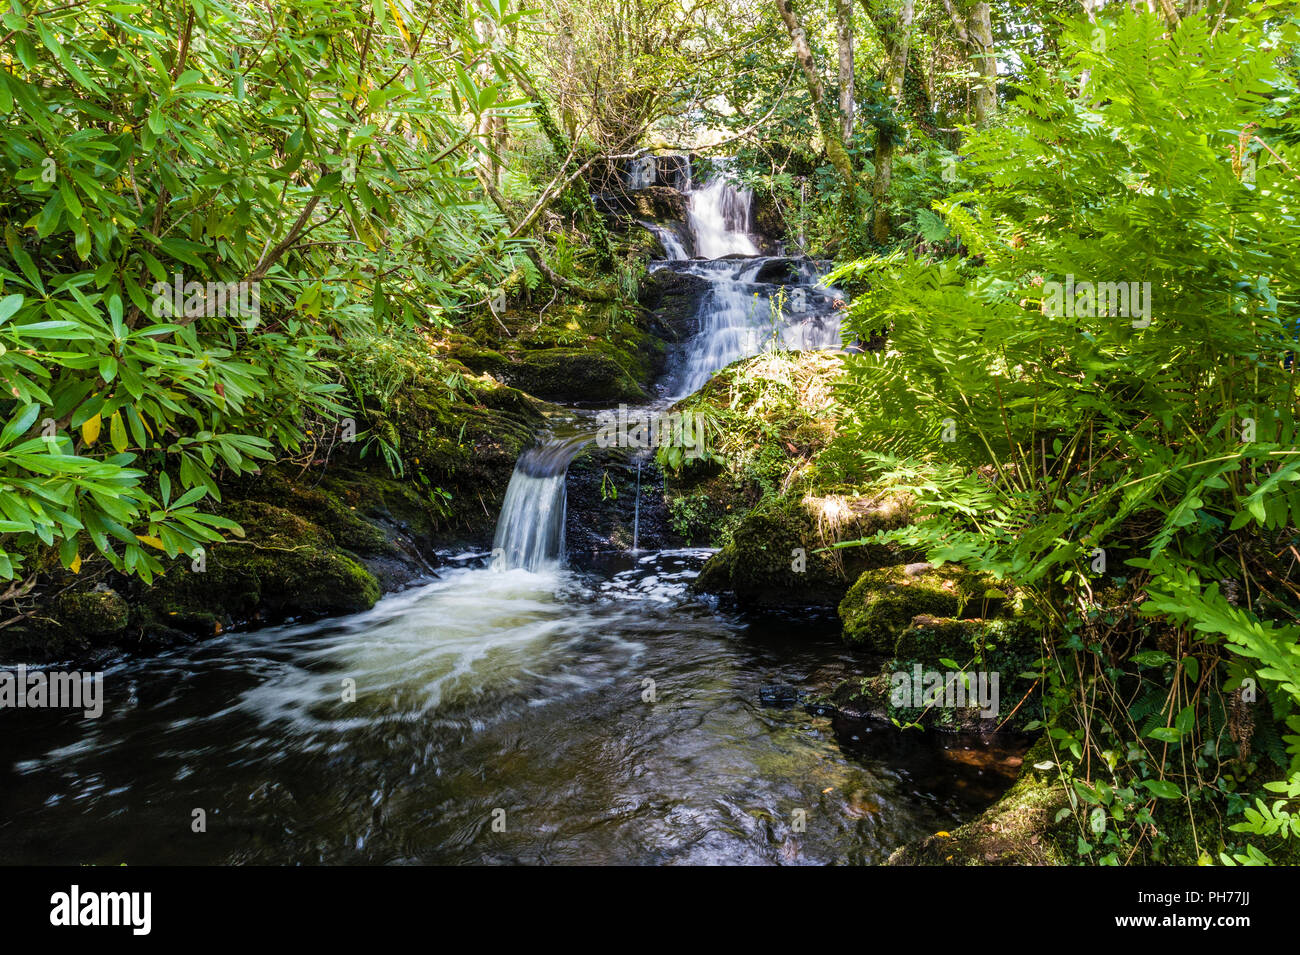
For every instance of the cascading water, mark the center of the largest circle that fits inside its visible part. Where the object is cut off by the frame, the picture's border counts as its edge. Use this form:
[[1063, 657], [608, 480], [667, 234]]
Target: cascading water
[[720, 218], [668, 238], [530, 529], [752, 302]]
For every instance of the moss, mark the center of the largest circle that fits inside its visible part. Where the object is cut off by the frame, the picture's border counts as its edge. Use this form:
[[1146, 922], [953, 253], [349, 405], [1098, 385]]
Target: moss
[[575, 373], [590, 352], [882, 602], [285, 567], [333, 505], [1007, 648], [1019, 829], [779, 552], [95, 613], [767, 422]]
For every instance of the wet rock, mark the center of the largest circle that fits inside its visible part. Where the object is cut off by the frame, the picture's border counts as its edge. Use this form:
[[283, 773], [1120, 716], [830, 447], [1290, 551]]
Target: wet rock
[[769, 223], [778, 694], [674, 298], [656, 203], [602, 516], [1021, 828], [779, 271]]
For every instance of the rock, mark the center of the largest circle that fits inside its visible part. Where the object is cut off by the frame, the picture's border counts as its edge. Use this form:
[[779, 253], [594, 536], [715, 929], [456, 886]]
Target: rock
[[656, 203], [883, 601], [1021, 828], [602, 504], [781, 271], [574, 374], [778, 694], [674, 298], [768, 220], [777, 558], [95, 613], [593, 353]]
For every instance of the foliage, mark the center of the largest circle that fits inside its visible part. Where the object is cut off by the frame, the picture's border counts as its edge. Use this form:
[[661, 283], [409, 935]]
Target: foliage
[[311, 150], [1135, 470]]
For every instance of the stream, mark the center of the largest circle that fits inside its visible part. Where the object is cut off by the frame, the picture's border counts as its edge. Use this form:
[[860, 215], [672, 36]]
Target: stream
[[512, 710]]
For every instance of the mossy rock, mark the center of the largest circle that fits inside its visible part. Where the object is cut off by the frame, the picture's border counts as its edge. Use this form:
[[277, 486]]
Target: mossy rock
[[1021, 828], [333, 505], [779, 554], [988, 649], [91, 614], [882, 602], [768, 423], [589, 352], [285, 567], [576, 374]]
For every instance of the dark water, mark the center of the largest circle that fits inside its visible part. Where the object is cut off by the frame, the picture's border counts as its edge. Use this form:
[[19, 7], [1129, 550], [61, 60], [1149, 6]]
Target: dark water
[[484, 691]]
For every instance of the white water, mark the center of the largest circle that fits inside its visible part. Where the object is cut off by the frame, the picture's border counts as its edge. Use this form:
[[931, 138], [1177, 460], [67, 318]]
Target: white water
[[720, 218], [530, 530], [672, 245]]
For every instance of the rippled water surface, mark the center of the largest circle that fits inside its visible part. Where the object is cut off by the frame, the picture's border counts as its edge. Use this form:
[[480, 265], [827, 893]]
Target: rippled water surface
[[485, 695]]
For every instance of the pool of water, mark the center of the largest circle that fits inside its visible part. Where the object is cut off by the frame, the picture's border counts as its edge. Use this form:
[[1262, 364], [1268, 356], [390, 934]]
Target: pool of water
[[601, 716]]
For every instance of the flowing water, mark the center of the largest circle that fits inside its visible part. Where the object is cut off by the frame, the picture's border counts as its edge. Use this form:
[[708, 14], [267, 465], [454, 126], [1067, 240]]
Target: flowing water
[[752, 302], [606, 717], [510, 710]]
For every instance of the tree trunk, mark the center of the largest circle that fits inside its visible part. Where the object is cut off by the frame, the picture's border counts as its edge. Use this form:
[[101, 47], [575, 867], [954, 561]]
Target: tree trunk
[[835, 150], [844, 34], [986, 64], [895, 26], [974, 31]]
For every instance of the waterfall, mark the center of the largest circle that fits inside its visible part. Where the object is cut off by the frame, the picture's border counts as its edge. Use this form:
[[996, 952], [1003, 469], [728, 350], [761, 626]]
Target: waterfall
[[530, 530], [673, 246], [721, 216], [733, 322]]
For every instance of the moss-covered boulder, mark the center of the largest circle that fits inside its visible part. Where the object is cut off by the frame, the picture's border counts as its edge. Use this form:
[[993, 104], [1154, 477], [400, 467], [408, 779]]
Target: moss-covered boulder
[[883, 600], [768, 419], [989, 689], [781, 552], [1021, 828], [92, 614], [285, 566], [593, 353], [575, 374]]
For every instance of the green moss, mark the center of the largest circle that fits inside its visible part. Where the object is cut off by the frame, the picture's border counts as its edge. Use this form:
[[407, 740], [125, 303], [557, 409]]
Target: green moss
[[1021, 828], [882, 602], [96, 613], [286, 566], [779, 552], [592, 352], [575, 373], [1005, 648]]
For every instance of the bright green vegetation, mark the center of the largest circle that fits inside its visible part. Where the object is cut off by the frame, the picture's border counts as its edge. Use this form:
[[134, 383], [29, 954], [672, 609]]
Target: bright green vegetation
[[404, 225]]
